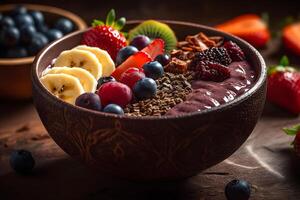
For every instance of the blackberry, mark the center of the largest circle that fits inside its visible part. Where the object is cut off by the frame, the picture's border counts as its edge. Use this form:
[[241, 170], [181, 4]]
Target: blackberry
[[234, 51], [211, 71], [214, 54]]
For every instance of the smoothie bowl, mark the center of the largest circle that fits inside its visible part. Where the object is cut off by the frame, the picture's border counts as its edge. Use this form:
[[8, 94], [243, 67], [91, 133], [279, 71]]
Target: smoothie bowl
[[147, 120]]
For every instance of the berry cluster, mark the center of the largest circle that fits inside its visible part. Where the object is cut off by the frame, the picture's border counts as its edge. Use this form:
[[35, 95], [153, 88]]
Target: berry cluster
[[24, 33]]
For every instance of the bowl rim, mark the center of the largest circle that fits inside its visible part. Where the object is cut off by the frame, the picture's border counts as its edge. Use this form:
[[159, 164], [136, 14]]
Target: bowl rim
[[261, 78], [80, 23]]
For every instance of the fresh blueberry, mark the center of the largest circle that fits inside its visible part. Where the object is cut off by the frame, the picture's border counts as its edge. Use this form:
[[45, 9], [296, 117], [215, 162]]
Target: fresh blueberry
[[37, 17], [153, 70], [140, 42], [238, 190], [64, 25], [18, 10], [16, 52], [38, 42], [27, 33], [23, 20], [54, 34], [145, 88], [42, 28], [10, 36], [163, 59], [124, 53], [113, 108], [89, 101], [105, 79], [22, 161], [6, 22]]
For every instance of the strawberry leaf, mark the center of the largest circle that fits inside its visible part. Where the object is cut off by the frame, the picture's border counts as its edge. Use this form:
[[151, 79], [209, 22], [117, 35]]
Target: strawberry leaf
[[120, 23], [292, 130], [110, 20], [97, 23], [284, 61]]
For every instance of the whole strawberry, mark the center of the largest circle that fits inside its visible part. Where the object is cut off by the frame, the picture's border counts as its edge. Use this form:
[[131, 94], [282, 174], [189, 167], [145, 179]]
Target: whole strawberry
[[284, 86], [294, 131], [106, 36]]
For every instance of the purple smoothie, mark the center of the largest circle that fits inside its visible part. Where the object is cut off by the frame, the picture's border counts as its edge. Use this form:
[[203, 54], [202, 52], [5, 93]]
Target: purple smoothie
[[208, 94]]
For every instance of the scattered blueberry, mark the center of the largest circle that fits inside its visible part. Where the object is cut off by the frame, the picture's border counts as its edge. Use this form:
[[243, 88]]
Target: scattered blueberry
[[238, 190], [22, 161], [42, 28], [38, 42], [54, 34], [18, 10], [153, 70], [23, 20], [163, 59], [64, 25], [113, 108], [145, 88], [89, 101], [16, 52], [105, 79], [10, 36], [6, 22], [140, 42], [124, 53], [27, 33], [37, 17]]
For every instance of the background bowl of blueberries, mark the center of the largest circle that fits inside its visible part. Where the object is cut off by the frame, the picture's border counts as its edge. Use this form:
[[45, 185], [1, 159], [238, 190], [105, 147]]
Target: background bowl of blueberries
[[24, 31]]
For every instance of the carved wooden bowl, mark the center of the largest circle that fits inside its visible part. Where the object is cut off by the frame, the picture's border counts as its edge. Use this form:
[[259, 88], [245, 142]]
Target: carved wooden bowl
[[150, 148], [15, 80]]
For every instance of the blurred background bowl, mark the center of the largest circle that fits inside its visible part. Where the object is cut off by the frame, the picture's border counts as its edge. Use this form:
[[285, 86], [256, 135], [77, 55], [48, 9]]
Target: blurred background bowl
[[15, 80]]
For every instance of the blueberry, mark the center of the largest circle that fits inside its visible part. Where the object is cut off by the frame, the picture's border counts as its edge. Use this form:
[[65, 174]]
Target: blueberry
[[18, 10], [140, 42], [145, 88], [23, 20], [163, 59], [6, 22], [10, 36], [105, 79], [37, 17], [124, 53], [153, 70], [27, 33], [113, 108], [89, 101], [64, 25], [238, 190], [42, 28], [38, 42], [53, 34], [16, 52], [22, 161]]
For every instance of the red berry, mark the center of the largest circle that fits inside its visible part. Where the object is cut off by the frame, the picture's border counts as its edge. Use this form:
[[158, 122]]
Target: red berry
[[115, 93], [131, 76], [234, 51]]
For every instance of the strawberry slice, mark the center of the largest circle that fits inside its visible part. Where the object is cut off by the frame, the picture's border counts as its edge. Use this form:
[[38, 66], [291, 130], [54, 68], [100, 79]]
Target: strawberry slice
[[291, 38], [155, 48], [250, 27], [137, 60]]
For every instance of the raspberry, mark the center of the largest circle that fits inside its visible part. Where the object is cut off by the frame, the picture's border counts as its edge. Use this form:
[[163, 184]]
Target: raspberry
[[234, 51], [214, 54], [211, 71]]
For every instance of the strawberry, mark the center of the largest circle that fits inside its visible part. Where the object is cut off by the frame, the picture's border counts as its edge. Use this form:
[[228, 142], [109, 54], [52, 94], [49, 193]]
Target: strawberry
[[155, 48], [291, 38], [136, 60], [294, 131], [249, 27], [284, 86], [106, 36]]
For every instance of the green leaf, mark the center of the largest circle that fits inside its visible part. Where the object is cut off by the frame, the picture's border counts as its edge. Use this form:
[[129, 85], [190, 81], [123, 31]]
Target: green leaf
[[284, 61], [265, 17], [110, 20], [120, 23], [97, 23], [293, 130]]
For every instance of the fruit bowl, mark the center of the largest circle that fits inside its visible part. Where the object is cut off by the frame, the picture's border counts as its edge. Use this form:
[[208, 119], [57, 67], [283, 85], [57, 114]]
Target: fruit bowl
[[15, 80], [150, 148]]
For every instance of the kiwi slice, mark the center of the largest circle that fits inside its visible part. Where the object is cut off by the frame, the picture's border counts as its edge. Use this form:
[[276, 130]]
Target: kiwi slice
[[154, 29]]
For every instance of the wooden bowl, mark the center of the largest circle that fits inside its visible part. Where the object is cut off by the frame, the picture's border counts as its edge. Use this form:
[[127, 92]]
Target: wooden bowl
[[15, 80], [150, 148]]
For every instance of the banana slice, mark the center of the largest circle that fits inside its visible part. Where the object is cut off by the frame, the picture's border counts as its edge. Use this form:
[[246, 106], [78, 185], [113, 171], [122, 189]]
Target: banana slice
[[108, 65], [80, 58], [63, 86], [88, 82]]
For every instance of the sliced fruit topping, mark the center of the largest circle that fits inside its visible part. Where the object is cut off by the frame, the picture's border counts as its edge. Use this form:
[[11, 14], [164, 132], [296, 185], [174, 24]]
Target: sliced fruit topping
[[63, 86], [89, 101], [145, 89], [163, 59], [154, 29], [140, 42], [291, 38], [116, 93], [105, 79], [86, 79], [108, 65], [106, 36], [153, 70], [124, 53], [155, 48], [131, 76], [234, 51], [137, 60], [114, 109], [250, 27], [80, 58]]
